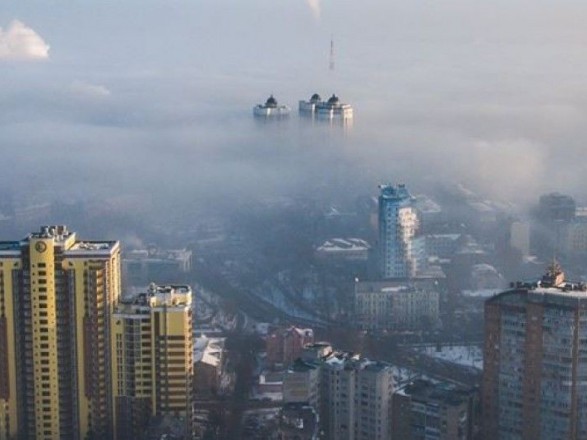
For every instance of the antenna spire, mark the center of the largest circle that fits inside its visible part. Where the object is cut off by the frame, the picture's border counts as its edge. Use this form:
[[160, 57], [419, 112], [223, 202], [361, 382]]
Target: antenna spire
[[331, 63]]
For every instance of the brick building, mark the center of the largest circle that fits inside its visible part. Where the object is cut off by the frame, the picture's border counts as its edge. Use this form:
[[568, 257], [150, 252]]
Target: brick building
[[535, 367]]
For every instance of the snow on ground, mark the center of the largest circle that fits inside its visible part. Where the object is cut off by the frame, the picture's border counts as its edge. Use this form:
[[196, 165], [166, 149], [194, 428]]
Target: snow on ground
[[466, 355], [272, 294], [273, 396], [403, 376]]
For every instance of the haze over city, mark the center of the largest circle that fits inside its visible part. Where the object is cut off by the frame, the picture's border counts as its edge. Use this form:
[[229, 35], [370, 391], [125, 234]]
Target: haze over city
[[154, 98], [194, 246]]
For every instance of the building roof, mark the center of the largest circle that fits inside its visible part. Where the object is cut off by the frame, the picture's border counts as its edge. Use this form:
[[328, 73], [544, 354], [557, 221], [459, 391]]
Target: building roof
[[552, 289], [394, 192], [299, 419], [173, 295], [333, 100], [336, 245], [271, 102], [333, 103], [302, 332], [208, 350], [443, 392], [302, 366], [65, 240], [158, 254], [394, 286], [348, 360]]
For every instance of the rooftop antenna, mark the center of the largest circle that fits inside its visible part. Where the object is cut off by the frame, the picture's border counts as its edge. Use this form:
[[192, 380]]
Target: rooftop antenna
[[331, 63]]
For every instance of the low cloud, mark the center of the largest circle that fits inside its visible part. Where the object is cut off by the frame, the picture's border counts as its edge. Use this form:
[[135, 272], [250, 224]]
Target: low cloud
[[315, 7], [88, 90], [21, 43]]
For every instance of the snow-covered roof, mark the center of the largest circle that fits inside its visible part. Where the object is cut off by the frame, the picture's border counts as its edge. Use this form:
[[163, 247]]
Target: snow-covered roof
[[481, 293], [343, 245], [208, 350]]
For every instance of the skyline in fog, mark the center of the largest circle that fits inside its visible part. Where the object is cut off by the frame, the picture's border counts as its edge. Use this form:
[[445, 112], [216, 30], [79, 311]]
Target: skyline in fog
[[155, 98]]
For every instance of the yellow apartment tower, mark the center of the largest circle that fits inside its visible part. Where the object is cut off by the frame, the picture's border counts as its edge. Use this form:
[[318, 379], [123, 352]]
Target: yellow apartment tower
[[57, 294], [152, 359]]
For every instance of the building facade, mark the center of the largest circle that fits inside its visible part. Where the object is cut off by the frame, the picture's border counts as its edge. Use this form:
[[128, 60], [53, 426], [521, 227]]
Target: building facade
[[356, 398], [286, 345], [576, 236], [209, 362], [520, 237], [298, 422], [425, 410], [152, 357], [301, 383], [57, 294], [334, 109], [395, 305], [552, 217], [352, 395], [308, 108], [398, 225], [535, 368], [271, 109]]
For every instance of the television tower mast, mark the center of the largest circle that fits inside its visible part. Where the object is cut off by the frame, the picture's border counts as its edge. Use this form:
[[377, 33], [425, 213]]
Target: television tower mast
[[331, 63]]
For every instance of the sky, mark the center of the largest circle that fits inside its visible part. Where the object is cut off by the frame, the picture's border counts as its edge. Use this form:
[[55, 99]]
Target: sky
[[154, 98]]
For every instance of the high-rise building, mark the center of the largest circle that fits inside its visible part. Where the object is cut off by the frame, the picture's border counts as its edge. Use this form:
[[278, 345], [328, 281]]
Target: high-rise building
[[352, 395], [556, 206], [152, 359], [57, 294], [552, 218], [301, 383], [535, 368], [356, 398], [398, 225], [520, 237]]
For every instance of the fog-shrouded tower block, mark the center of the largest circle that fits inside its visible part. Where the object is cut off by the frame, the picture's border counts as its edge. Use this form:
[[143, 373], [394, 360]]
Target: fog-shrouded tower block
[[535, 362], [57, 294], [398, 225], [152, 359]]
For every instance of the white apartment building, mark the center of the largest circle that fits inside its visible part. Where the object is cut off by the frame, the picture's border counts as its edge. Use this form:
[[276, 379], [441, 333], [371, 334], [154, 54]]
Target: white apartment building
[[395, 305], [356, 398]]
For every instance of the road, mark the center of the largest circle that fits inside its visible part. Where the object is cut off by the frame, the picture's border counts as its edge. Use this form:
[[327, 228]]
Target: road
[[409, 358]]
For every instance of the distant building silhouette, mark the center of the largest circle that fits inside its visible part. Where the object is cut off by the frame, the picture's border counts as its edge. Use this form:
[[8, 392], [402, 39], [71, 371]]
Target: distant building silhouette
[[271, 108], [552, 218]]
